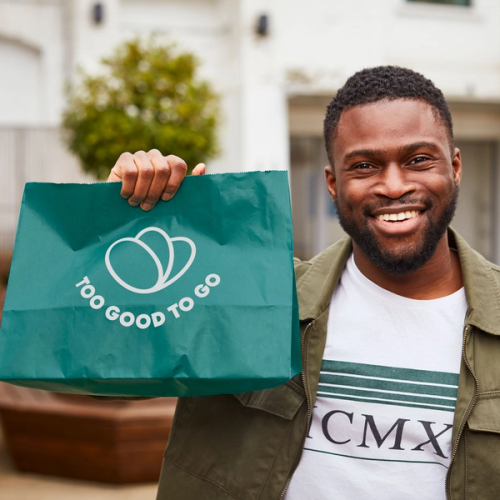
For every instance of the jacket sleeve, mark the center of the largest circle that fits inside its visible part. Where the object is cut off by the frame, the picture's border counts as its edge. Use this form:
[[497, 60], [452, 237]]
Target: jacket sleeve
[[300, 267]]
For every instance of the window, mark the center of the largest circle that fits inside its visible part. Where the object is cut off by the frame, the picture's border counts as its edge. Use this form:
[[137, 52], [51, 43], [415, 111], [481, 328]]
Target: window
[[465, 3]]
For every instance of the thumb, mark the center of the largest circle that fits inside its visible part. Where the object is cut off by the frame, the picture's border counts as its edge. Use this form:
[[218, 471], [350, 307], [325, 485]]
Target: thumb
[[199, 169]]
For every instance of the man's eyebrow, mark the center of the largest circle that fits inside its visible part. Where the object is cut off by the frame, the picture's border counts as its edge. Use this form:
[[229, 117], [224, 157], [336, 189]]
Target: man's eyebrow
[[373, 153], [417, 145]]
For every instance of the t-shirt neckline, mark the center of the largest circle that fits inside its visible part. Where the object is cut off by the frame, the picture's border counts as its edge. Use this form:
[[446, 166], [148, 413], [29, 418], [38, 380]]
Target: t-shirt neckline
[[449, 300]]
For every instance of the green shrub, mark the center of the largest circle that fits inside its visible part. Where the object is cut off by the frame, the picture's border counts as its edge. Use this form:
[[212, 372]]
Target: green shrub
[[148, 96]]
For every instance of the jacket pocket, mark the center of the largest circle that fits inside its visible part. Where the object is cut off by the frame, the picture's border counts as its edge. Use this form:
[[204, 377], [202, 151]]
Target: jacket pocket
[[283, 401], [482, 449], [238, 443]]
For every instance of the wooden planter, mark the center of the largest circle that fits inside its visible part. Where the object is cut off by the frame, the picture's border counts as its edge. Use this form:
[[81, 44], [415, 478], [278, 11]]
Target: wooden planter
[[78, 437]]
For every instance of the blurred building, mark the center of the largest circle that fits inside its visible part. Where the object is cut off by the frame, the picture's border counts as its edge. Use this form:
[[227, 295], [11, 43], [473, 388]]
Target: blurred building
[[276, 63]]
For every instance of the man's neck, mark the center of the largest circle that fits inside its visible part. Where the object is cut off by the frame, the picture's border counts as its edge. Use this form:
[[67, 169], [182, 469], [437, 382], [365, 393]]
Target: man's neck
[[440, 276]]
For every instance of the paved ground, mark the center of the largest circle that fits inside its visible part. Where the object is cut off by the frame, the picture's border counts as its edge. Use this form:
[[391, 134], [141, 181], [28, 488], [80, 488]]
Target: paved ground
[[17, 486]]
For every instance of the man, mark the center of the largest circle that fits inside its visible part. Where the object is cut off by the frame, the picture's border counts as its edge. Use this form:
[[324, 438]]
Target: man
[[394, 320]]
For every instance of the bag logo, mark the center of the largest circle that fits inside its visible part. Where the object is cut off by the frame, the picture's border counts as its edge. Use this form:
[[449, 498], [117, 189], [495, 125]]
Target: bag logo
[[163, 275], [158, 317]]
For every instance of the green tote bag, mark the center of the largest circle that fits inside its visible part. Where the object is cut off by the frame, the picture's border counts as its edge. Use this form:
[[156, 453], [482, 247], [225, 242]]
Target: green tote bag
[[195, 297]]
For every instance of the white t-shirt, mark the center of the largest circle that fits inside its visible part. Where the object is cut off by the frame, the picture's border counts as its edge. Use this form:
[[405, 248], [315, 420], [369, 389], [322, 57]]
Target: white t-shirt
[[382, 421]]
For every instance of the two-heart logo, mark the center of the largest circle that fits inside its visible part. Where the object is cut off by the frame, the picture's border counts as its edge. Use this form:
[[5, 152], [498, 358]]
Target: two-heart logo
[[163, 275]]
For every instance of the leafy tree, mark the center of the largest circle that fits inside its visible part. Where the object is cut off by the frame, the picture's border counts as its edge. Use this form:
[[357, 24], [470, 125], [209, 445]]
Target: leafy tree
[[148, 96]]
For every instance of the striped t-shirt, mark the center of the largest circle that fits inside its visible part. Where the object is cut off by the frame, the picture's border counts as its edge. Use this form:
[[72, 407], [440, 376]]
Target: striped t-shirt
[[382, 421]]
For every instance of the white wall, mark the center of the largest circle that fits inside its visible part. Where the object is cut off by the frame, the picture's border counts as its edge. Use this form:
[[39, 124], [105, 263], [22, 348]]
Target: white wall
[[32, 48], [21, 90], [312, 47], [321, 42]]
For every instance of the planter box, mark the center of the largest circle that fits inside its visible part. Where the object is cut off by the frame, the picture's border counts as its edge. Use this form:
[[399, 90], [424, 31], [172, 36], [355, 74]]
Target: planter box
[[78, 437]]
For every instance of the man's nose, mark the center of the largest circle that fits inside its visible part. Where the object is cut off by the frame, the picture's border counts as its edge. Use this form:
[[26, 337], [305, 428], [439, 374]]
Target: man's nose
[[394, 182]]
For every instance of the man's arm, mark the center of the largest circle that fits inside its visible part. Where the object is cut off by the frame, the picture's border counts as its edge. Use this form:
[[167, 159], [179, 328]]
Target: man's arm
[[147, 177]]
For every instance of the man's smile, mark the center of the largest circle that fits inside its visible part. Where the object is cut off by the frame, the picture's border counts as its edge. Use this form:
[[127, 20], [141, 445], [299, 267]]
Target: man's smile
[[404, 223], [399, 223], [399, 216]]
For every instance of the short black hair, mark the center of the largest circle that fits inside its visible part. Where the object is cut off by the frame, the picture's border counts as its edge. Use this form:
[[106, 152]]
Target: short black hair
[[384, 83]]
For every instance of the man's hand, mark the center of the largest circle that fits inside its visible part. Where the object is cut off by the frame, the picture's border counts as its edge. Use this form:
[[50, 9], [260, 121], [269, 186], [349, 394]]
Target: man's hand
[[147, 177]]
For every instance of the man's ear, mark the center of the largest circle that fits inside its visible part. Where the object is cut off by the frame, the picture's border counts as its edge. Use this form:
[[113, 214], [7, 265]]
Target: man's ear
[[331, 181], [456, 163]]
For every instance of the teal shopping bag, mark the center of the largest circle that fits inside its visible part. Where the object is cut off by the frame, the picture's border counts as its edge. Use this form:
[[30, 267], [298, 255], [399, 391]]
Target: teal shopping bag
[[196, 297]]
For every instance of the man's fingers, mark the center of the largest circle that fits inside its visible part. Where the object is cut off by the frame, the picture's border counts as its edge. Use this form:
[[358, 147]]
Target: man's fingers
[[145, 174], [178, 169], [148, 176], [114, 176], [125, 170], [161, 175], [199, 169]]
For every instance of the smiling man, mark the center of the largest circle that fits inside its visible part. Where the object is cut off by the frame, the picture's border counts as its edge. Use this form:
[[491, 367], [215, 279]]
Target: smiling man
[[394, 178], [400, 392]]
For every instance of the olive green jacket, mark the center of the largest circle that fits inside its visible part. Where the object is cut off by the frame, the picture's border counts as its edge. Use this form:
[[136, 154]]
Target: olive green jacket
[[247, 446]]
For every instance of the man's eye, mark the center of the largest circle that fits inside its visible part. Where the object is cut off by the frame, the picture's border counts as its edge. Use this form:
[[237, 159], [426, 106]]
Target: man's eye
[[419, 159], [363, 166]]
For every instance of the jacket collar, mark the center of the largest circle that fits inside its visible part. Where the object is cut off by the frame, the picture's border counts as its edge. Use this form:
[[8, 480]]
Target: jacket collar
[[316, 286], [481, 281]]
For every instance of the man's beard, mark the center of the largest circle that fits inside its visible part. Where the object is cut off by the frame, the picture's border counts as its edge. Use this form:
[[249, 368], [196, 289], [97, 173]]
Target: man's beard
[[409, 259]]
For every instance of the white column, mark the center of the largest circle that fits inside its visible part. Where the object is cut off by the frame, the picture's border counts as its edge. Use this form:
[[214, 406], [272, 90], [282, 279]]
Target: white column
[[265, 128], [264, 117]]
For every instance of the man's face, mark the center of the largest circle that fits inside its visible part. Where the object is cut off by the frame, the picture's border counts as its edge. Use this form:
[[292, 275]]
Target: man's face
[[394, 181]]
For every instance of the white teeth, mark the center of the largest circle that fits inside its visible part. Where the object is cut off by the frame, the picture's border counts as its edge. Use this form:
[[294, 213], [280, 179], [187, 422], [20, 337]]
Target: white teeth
[[410, 214]]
